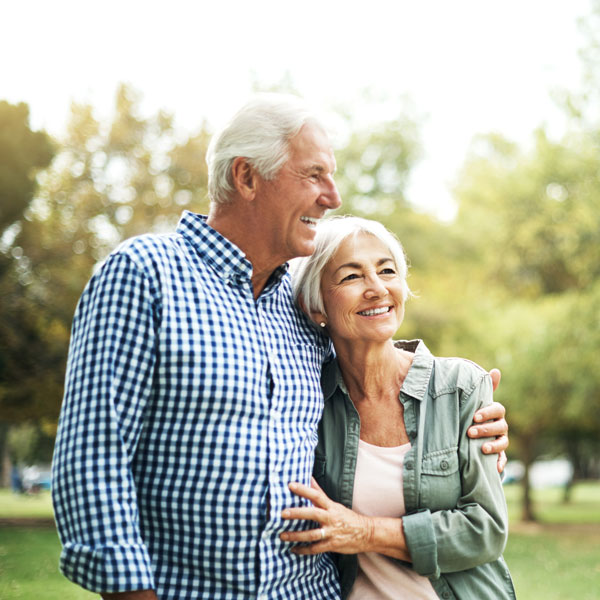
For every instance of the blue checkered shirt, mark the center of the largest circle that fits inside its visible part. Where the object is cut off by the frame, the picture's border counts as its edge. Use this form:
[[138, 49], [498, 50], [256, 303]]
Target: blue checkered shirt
[[189, 406]]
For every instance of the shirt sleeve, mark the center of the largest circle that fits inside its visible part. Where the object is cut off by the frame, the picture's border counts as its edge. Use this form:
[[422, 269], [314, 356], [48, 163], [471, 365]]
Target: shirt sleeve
[[476, 530], [108, 385]]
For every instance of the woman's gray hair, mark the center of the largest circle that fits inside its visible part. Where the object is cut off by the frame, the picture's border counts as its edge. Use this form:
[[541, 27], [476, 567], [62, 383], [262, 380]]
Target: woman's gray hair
[[260, 131], [308, 271]]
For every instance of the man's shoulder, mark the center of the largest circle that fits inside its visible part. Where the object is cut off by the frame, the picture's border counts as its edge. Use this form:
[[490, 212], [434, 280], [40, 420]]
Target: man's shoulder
[[151, 252], [148, 246]]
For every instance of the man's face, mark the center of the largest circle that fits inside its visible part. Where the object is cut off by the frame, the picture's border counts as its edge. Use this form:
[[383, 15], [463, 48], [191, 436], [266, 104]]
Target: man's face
[[300, 194]]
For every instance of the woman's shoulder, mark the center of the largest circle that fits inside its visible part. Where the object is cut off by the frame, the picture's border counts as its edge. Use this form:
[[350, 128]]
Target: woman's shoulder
[[452, 374]]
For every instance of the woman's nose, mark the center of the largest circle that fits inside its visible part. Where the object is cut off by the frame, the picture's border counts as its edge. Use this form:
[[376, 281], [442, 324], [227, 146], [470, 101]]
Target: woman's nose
[[375, 287]]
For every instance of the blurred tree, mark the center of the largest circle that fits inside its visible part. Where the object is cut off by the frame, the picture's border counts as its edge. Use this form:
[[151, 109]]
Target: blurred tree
[[110, 180], [530, 230], [23, 153]]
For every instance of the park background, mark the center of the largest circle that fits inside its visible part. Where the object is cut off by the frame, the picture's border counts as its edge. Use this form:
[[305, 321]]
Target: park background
[[471, 129]]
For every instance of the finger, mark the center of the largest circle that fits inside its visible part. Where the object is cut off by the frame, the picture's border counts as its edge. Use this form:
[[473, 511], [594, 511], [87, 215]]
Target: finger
[[496, 377], [502, 460], [495, 446], [317, 548], [305, 513], [306, 536], [491, 429], [316, 496], [314, 484], [493, 411]]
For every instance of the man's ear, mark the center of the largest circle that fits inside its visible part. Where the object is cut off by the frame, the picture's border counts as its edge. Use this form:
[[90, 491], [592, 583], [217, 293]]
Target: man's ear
[[244, 178]]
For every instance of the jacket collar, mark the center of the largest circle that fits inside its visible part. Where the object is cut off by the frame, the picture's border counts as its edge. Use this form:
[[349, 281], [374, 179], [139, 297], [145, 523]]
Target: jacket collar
[[415, 385]]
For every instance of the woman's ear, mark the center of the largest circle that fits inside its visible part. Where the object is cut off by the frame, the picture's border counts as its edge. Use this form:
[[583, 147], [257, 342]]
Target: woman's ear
[[314, 316], [244, 178]]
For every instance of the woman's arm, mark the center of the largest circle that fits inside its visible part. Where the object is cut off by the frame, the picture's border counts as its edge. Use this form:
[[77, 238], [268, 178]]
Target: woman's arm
[[475, 530]]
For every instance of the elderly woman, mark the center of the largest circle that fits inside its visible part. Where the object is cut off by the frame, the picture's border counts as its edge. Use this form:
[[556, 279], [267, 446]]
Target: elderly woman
[[409, 504]]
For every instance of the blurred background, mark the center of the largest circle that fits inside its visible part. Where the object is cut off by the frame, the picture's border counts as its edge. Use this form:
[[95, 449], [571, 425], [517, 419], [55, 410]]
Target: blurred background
[[471, 129]]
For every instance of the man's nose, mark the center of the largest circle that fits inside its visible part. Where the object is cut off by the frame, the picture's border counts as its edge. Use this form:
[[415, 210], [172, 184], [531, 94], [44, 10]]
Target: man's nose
[[330, 197]]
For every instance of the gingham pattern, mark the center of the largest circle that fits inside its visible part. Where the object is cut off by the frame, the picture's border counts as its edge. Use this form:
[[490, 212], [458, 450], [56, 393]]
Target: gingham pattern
[[188, 408]]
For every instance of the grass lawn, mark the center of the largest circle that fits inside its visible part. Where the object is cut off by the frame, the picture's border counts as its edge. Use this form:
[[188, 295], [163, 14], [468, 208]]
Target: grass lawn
[[558, 559]]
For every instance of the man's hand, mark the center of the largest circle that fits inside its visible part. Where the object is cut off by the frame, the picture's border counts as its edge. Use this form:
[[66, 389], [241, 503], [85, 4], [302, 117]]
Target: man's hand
[[490, 422]]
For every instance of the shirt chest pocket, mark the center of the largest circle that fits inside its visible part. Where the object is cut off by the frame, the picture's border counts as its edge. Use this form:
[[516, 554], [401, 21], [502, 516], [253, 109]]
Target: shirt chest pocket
[[440, 479]]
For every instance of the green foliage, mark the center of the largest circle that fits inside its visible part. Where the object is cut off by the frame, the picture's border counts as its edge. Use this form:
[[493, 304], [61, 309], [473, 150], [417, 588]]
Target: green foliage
[[22, 153], [110, 180]]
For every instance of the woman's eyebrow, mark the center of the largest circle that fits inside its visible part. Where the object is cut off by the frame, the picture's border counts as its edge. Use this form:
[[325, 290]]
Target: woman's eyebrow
[[355, 265]]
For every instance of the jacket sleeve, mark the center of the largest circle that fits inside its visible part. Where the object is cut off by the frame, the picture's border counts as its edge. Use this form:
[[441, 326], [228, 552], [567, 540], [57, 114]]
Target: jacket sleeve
[[108, 384], [476, 530]]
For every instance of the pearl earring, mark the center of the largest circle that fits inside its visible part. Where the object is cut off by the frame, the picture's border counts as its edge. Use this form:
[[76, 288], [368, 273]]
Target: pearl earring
[[322, 323]]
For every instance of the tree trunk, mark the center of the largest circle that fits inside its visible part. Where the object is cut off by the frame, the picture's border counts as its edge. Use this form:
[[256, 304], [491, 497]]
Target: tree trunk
[[5, 462], [527, 513]]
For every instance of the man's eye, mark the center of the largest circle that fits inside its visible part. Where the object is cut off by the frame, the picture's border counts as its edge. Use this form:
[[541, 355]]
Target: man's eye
[[388, 271]]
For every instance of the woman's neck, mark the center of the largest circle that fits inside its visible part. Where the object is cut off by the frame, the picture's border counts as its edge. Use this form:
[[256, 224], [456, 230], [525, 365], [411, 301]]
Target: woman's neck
[[372, 371]]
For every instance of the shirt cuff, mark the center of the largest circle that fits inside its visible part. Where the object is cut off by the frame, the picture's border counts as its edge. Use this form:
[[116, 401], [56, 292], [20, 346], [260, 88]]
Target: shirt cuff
[[107, 568], [421, 542]]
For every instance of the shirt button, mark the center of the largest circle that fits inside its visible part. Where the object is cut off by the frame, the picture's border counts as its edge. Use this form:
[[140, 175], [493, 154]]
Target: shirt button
[[444, 465], [409, 466], [446, 594]]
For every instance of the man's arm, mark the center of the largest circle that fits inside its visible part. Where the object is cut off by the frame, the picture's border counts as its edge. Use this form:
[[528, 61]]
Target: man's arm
[[108, 383], [490, 422]]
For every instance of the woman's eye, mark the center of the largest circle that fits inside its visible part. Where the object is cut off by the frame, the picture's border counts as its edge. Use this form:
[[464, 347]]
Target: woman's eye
[[350, 277]]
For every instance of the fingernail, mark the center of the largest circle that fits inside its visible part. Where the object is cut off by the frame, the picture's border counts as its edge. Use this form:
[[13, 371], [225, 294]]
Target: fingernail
[[478, 418], [473, 431], [285, 514], [487, 448]]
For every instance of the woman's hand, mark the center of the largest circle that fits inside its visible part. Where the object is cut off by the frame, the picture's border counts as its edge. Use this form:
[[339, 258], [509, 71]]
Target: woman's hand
[[342, 530]]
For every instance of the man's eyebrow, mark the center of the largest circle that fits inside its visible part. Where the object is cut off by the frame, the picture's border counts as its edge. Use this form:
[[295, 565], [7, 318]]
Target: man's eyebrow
[[355, 265], [314, 168]]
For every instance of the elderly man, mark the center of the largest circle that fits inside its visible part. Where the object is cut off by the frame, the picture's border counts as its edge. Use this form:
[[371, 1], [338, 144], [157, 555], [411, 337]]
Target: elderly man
[[192, 395]]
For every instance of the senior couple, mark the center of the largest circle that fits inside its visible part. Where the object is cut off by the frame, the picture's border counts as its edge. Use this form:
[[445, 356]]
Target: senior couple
[[203, 389]]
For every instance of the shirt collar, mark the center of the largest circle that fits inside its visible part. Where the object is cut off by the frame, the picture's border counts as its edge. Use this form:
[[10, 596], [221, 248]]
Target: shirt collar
[[220, 253], [415, 384]]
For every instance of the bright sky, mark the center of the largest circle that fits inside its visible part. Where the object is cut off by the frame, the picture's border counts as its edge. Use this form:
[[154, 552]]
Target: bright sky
[[469, 66]]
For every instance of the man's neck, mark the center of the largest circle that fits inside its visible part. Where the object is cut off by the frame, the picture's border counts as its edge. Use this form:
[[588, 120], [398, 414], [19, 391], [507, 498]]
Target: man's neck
[[241, 230]]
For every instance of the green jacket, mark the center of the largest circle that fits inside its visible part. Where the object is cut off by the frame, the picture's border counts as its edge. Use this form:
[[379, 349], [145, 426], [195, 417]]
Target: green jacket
[[456, 522]]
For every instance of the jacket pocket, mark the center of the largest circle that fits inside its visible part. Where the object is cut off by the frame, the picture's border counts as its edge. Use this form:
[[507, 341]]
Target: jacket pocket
[[440, 479]]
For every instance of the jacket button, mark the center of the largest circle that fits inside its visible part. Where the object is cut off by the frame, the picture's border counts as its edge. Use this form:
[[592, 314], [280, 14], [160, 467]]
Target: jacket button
[[409, 466], [444, 465], [445, 594]]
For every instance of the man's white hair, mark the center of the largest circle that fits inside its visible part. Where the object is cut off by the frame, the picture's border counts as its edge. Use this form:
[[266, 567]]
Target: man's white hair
[[308, 270], [260, 132]]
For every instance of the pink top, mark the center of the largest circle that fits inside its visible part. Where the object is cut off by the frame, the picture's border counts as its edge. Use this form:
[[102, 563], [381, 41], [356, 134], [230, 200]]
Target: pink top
[[378, 492]]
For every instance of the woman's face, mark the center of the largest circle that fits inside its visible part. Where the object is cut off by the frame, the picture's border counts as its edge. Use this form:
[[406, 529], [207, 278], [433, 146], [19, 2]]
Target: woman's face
[[362, 291]]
